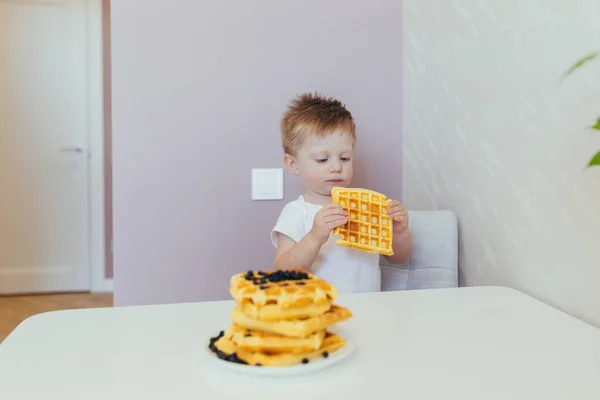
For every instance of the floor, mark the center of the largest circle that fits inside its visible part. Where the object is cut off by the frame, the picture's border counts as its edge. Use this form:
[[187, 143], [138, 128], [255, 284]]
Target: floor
[[15, 309]]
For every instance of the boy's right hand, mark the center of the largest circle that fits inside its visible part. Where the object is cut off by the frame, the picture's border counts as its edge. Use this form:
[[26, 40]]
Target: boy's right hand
[[327, 218]]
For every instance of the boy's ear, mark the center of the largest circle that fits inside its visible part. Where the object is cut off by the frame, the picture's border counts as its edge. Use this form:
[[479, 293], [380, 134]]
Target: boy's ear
[[290, 163]]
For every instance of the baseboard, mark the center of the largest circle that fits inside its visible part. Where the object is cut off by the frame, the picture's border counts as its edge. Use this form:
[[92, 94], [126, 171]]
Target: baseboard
[[104, 286]]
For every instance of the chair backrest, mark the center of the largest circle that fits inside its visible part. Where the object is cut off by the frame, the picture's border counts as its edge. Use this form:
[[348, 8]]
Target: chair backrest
[[434, 257]]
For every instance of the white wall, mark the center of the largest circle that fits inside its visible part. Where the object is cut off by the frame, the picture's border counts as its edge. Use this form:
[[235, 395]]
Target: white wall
[[491, 134]]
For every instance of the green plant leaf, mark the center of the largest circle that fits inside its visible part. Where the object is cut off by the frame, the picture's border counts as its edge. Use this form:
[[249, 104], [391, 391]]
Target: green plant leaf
[[595, 161], [581, 62], [596, 126]]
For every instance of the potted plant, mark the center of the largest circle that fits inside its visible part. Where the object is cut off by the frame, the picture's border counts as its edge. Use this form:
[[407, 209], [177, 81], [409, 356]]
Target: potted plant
[[595, 161]]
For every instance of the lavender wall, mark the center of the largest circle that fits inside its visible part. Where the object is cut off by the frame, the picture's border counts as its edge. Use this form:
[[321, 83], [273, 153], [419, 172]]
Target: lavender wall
[[197, 92]]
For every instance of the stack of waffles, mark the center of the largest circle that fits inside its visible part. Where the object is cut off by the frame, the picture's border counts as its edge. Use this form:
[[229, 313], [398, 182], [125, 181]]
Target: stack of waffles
[[281, 318], [369, 227]]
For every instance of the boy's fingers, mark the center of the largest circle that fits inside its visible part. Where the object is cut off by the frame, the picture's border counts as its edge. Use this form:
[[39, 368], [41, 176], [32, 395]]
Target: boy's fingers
[[335, 224], [335, 218], [341, 212]]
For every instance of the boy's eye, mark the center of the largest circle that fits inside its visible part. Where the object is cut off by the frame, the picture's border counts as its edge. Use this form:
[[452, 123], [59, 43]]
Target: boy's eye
[[345, 158], [321, 160]]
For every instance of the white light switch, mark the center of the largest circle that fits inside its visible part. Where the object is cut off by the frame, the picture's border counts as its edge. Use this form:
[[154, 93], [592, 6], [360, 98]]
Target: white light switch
[[267, 184]]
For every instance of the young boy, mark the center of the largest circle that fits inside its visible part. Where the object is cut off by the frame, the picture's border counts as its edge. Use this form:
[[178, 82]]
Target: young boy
[[318, 136]]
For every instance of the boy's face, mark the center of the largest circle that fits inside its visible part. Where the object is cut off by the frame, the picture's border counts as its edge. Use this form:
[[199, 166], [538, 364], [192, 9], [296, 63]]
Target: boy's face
[[323, 162]]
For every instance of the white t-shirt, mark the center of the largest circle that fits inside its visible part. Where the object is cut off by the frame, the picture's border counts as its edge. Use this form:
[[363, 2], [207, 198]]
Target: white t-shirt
[[349, 270]]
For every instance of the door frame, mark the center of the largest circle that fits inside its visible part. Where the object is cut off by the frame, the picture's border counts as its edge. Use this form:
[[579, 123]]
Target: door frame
[[96, 135]]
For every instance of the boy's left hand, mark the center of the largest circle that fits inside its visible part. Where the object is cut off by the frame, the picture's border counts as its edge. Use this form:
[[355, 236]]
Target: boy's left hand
[[399, 216]]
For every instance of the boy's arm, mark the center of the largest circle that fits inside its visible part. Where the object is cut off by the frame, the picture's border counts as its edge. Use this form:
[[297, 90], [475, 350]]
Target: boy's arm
[[402, 245], [401, 236], [302, 254], [292, 255]]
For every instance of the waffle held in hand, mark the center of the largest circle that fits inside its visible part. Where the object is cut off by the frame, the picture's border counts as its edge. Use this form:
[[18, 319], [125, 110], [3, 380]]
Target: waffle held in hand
[[369, 227]]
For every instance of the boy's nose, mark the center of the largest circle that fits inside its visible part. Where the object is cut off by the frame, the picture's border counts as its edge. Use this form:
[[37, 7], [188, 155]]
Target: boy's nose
[[336, 167]]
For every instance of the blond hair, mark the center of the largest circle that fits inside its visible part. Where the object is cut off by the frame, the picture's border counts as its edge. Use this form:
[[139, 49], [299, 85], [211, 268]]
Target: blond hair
[[316, 114]]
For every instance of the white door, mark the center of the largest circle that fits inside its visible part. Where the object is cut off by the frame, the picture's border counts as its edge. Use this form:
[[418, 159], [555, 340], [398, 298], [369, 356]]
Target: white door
[[44, 123]]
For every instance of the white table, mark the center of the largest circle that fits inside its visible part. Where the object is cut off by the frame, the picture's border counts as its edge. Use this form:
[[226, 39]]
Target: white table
[[468, 343]]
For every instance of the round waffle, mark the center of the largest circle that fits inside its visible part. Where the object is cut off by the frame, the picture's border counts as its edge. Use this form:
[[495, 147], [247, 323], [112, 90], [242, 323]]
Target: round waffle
[[281, 295], [225, 348], [293, 328], [250, 340]]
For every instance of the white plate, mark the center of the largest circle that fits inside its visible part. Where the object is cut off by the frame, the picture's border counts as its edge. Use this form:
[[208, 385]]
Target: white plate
[[315, 364]]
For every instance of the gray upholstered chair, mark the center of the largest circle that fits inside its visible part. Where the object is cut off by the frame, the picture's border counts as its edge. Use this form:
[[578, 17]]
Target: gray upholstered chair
[[434, 259]]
